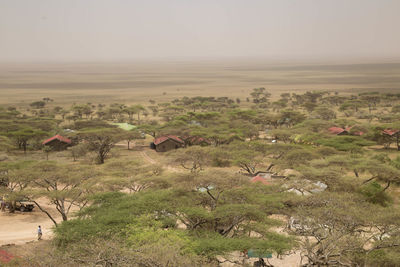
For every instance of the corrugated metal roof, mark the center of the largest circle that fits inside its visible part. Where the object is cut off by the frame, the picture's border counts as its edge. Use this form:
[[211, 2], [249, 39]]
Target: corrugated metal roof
[[59, 138], [390, 132], [164, 138], [336, 130], [260, 179]]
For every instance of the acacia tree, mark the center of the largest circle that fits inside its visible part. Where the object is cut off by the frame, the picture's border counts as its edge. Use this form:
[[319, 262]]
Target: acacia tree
[[101, 140], [226, 206], [324, 113], [24, 135], [5, 143], [260, 95], [80, 110], [137, 109], [246, 156], [218, 134], [193, 158], [342, 229], [352, 104], [290, 117], [148, 222], [131, 135], [79, 150], [38, 104], [132, 175], [14, 181], [130, 111], [65, 186], [371, 99], [151, 129], [381, 172], [256, 157]]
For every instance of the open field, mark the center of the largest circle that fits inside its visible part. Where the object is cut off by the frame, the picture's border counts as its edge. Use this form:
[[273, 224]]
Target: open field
[[315, 154], [163, 81], [21, 227]]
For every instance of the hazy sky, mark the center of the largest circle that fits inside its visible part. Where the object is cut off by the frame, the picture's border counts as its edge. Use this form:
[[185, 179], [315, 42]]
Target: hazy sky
[[91, 30]]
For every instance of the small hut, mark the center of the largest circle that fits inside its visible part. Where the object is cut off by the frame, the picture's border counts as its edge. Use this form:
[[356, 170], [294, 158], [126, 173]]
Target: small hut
[[167, 143], [259, 179], [57, 142], [344, 131], [391, 132], [338, 131]]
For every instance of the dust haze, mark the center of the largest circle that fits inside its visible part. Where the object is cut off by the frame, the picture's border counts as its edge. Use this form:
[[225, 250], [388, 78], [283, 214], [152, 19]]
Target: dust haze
[[140, 82]]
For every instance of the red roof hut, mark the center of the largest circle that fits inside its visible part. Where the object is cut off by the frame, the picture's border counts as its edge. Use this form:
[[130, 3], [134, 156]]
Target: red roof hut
[[168, 142], [259, 179], [390, 132], [58, 142], [345, 131]]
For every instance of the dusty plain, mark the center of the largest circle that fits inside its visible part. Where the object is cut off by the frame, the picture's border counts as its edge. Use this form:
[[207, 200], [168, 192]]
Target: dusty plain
[[138, 82]]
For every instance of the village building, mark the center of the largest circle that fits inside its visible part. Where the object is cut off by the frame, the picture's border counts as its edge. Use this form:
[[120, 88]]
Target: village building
[[167, 143], [338, 131], [266, 177], [343, 131], [391, 132], [259, 179], [58, 142]]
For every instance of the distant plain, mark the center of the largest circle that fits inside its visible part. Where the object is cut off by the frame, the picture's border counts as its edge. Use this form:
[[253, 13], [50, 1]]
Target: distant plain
[[139, 82]]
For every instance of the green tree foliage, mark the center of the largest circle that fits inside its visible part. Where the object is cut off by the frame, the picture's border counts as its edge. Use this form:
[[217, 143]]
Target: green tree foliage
[[249, 156], [80, 110], [101, 140], [345, 143], [5, 143], [24, 135], [38, 104], [324, 113], [376, 194], [218, 212], [132, 135], [14, 181], [65, 186], [133, 175], [342, 229], [260, 95], [352, 104], [79, 150], [193, 158], [291, 117]]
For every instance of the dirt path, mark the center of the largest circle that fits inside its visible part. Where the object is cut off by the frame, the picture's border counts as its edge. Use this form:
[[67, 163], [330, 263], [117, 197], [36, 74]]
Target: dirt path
[[21, 227], [147, 158]]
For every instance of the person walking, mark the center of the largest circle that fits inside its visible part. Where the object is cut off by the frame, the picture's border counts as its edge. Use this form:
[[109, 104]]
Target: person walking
[[39, 233], [3, 204]]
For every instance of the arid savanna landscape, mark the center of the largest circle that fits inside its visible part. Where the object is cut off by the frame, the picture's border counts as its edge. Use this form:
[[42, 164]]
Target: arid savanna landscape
[[205, 133]]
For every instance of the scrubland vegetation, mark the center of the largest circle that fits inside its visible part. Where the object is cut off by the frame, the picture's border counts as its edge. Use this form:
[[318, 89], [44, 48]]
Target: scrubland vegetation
[[332, 195]]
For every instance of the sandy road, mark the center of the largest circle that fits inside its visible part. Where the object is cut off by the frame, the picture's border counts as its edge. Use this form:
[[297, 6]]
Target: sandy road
[[21, 227], [147, 158]]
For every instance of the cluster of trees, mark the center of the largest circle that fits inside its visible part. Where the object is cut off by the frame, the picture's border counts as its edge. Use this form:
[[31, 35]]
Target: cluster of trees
[[205, 205]]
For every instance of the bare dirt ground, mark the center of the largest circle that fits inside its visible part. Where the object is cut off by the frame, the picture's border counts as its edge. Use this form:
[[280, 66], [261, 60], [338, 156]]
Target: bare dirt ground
[[146, 157], [21, 227]]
